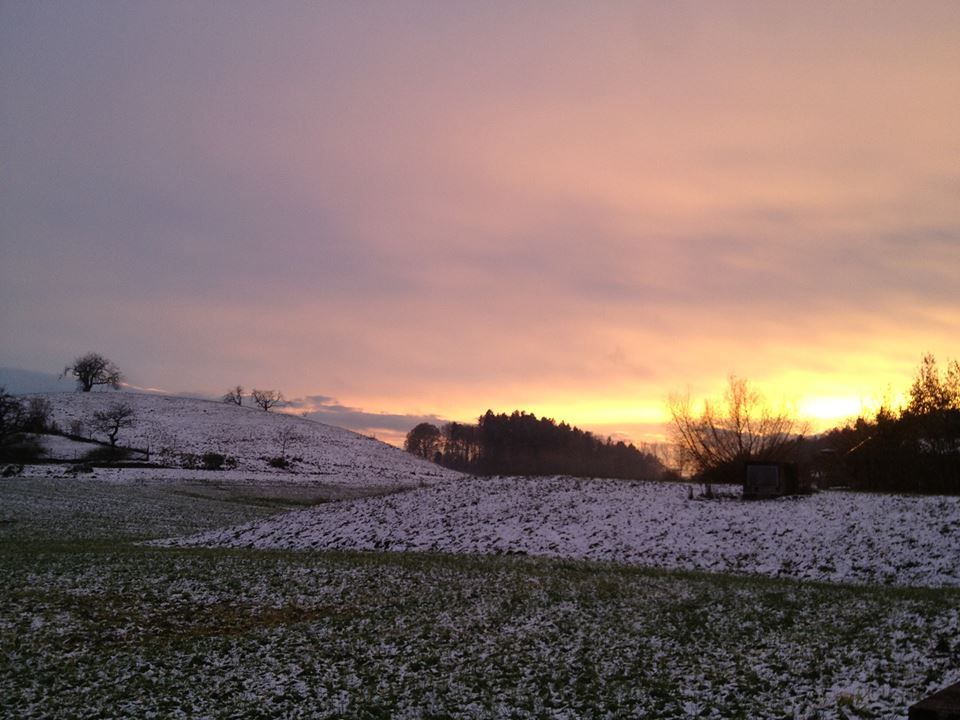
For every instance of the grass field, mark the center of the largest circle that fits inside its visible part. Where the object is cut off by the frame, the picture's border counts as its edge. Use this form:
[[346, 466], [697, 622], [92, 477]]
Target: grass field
[[94, 625]]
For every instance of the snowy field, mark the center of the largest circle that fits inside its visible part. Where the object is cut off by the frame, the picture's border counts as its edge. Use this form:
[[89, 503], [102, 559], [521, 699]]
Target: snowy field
[[830, 536], [176, 429], [299, 613], [93, 625]]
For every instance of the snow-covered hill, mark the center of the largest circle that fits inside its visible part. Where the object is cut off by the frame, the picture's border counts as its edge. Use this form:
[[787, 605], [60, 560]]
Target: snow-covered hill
[[833, 536], [175, 429]]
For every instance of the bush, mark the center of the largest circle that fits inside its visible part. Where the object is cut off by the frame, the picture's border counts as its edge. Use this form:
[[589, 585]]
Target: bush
[[212, 461], [207, 461], [217, 461], [279, 462], [190, 461], [20, 449], [106, 454], [36, 417], [11, 416]]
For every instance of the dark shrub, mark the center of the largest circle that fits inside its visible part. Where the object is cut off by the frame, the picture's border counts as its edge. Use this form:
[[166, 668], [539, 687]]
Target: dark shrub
[[217, 461], [36, 418], [207, 461], [20, 449], [279, 462], [212, 461], [106, 454], [190, 461]]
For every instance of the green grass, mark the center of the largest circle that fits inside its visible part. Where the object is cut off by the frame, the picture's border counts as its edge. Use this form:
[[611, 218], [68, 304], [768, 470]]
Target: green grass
[[93, 625]]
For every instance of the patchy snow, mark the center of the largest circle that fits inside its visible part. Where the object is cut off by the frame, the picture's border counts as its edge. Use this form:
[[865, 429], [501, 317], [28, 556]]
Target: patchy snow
[[831, 536], [147, 633], [176, 429]]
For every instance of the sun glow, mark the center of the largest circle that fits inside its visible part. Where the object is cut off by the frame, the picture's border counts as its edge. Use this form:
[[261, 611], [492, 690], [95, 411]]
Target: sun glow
[[830, 409]]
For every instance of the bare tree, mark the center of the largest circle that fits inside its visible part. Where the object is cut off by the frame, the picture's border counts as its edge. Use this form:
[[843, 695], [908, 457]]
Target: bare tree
[[234, 395], [93, 369], [726, 434], [112, 419], [287, 437], [266, 399]]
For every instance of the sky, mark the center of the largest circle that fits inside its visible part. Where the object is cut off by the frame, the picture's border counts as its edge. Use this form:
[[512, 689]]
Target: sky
[[407, 211]]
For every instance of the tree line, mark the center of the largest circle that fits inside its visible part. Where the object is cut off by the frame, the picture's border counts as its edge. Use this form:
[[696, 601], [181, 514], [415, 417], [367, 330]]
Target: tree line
[[913, 449], [523, 444], [910, 449]]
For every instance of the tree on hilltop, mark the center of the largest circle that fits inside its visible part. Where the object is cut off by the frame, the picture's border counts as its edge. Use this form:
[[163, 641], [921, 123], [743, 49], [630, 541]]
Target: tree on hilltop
[[266, 399], [234, 396], [93, 369]]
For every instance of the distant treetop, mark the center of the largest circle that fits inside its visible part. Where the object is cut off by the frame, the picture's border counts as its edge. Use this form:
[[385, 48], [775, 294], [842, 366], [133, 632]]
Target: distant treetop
[[93, 369]]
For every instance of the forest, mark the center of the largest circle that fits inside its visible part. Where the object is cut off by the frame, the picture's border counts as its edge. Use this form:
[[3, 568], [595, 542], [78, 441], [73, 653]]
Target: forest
[[523, 444], [914, 449]]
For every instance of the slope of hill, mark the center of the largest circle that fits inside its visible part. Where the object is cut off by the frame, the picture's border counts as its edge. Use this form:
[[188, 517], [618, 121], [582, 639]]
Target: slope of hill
[[178, 430], [832, 536]]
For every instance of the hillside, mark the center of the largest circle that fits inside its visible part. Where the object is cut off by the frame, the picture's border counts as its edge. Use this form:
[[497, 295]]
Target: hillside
[[176, 430], [831, 536]]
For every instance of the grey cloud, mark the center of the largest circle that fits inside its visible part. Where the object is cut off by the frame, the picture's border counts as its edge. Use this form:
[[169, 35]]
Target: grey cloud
[[328, 410], [310, 401]]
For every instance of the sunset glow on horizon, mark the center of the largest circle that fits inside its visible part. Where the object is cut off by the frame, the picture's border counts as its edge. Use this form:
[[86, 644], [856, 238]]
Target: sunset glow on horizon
[[417, 211]]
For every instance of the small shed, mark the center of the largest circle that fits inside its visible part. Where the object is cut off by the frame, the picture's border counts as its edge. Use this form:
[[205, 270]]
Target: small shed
[[769, 480]]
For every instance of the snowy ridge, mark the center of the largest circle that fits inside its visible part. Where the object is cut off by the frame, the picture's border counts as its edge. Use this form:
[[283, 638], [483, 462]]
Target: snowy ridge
[[174, 426], [831, 536]]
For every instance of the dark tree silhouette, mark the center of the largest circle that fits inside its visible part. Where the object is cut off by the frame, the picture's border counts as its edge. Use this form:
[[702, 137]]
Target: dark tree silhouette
[[37, 414], [727, 434], [12, 413], [461, 446], [916, 449], [523, 444], [234, 396], [424, 440], [93, 369], [932, 391], [266, 399], [112, 419]]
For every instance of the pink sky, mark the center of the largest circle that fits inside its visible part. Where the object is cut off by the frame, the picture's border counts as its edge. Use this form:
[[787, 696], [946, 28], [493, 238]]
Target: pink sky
[[435, 208]]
